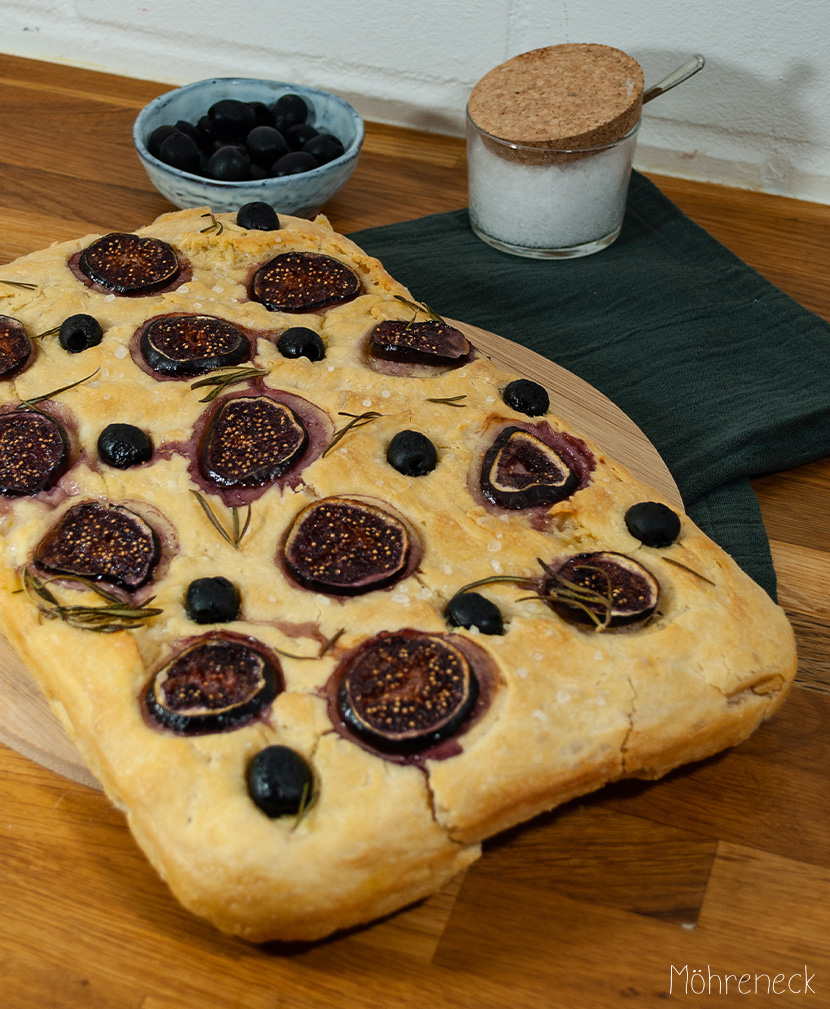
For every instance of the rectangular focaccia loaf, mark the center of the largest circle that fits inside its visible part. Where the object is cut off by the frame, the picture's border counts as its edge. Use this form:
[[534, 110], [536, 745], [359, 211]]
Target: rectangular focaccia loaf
[[364, 600]]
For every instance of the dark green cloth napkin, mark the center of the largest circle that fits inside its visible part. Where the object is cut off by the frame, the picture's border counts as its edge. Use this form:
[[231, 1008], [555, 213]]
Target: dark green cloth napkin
[[727, 376]]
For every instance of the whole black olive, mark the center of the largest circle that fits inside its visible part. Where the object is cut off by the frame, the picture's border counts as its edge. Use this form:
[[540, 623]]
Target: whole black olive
[[212, 600], [79, 333], [300, 341], [471, 609], [412, 453], [123, 446], [279, 781], [653, 524], [526, 397]]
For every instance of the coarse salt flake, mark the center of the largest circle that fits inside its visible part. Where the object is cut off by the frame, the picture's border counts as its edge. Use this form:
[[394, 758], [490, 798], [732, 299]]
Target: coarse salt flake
[[120, 351], [496, 566], [494, 546]]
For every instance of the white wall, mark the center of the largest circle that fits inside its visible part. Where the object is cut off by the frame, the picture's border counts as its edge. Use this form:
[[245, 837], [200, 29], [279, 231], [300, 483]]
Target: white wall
[[758, 115]]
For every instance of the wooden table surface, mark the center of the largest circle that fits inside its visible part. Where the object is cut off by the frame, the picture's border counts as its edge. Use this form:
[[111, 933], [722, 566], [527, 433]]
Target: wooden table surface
[[722, 868]]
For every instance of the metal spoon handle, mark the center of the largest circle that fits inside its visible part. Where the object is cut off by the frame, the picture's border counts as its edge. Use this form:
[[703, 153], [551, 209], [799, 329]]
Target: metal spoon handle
[[682, 73]]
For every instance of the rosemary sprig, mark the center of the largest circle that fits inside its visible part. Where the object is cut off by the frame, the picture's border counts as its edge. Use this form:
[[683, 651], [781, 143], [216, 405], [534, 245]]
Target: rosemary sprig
[[514, 579], [234, 537], [19, 283], [214, 225], [307, 800], [113, 615], [332, 641], [48, 332], [220, 382], [326, 645], [29, 404], [424, 309], [685, 567], [450, 400], [359, 420]]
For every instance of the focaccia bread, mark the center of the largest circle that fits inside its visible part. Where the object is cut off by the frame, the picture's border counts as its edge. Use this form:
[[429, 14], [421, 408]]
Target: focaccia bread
[[323, 597]]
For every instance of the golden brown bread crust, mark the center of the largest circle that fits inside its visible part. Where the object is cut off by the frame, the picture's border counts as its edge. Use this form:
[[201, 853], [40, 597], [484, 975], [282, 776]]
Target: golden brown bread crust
[[569, 709]]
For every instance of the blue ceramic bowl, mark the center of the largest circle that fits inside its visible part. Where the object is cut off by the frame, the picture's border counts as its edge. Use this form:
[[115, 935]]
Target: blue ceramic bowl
[[300, 195]]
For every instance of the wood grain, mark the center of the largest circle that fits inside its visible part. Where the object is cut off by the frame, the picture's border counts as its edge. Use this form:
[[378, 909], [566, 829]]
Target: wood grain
[[722, 866]]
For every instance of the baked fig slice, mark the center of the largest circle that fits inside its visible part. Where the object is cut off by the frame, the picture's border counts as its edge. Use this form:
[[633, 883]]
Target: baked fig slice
[[216, 683], [519, 470], [603, 588], [185, 345], [129, 264], [304, 282], [404, 691], [250, 441], [101, 541], [33, 452], [346, 547], [430, 342], [15, 346]]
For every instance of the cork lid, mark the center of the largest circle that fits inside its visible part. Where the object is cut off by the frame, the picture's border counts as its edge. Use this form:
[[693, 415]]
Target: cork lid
[[568, 96]]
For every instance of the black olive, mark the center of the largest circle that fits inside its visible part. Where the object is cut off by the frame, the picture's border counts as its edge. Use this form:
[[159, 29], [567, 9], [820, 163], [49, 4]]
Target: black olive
[[229, 164], [412, 453], [298, 136], [264, 115], [265, 145], [279, 781], [653, 524], [324, 147], [294, 163], [158, 136], [232, 119], [300, 341], [289, 110], [526, 397], [212, 600], [471, 609], [124, 445], [180, 151], [258, 216], [79, 333]]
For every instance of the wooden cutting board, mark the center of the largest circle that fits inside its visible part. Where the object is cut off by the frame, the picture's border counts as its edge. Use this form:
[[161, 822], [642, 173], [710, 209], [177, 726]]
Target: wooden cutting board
[[26, 721]]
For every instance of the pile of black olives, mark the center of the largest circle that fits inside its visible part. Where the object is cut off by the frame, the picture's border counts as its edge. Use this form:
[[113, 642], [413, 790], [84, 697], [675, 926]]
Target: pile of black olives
[[240, 141]]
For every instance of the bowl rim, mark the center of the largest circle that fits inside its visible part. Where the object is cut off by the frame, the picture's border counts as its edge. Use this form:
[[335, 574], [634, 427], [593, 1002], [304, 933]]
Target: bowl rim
[[349, 153]]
